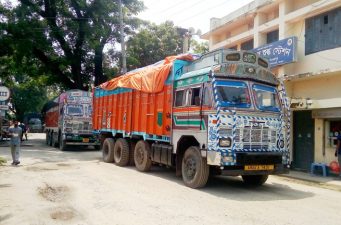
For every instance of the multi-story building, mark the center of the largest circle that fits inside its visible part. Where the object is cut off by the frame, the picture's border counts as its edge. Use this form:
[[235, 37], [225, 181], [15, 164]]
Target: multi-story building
[[302, 39]]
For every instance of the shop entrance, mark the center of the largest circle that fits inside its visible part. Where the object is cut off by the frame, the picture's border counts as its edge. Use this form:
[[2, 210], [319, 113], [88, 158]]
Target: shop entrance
[[303, 142]]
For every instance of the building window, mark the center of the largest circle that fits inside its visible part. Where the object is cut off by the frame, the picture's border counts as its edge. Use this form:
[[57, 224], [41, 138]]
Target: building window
[[248, 45], [272, 36], [323, 32]]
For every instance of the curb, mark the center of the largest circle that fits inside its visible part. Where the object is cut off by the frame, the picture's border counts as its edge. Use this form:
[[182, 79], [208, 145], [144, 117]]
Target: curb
[[316, 183]]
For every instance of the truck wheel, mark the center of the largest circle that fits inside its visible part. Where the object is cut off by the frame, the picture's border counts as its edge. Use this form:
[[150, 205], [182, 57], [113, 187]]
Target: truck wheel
[[195, 171], [62, 143], [121, 152], [108, 150], [142, 158], [50, 139], [255, 180], [47, 138], [53, 141]]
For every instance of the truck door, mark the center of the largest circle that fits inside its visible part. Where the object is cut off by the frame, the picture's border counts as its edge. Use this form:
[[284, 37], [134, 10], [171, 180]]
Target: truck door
[[180, 111]]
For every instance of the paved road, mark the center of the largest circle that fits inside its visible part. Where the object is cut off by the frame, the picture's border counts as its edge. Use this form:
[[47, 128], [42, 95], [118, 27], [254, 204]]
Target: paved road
[[76, 187]]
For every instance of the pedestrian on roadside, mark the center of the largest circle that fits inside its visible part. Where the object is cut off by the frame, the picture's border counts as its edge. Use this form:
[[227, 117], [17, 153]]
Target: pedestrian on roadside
[[338, 152], [15, 133], [24, 131]]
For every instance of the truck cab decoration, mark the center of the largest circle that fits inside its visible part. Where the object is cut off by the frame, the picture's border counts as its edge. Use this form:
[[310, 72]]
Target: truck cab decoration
[[68, 120]]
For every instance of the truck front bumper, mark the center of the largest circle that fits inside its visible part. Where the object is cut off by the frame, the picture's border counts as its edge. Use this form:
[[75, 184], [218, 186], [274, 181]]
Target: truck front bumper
[[252, 163], [81, 139], [239, 170]]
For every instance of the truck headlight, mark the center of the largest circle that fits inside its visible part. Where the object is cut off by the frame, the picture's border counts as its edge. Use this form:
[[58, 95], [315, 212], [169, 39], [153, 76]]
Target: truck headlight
[[68, 130], [225, 142], [280, 144]]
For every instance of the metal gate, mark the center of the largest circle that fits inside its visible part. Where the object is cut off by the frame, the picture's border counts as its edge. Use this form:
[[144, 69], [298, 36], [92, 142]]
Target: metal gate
[[303, 145]]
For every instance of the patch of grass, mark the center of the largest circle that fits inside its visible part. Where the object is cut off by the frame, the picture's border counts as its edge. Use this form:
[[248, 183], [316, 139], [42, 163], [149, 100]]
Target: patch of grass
[[2, 161]]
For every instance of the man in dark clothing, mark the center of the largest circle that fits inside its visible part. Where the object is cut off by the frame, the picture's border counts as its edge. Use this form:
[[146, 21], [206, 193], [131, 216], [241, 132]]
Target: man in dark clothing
[[24, 131], [338, 151]]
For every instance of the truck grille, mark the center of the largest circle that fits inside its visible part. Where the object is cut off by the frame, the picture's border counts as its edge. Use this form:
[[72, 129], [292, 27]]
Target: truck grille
[[255, 135], [81, 127]]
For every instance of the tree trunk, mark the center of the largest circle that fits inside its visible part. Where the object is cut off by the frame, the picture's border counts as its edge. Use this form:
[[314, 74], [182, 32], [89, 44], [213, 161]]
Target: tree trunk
[[99, 77]]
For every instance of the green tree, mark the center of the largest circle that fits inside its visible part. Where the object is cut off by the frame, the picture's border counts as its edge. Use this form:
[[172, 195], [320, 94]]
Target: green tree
[[29, 96], [199, 47], [63, 39], [153, 43]]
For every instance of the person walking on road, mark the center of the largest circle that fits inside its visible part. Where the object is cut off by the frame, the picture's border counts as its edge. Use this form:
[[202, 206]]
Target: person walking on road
[[338, 152], [15, 133]]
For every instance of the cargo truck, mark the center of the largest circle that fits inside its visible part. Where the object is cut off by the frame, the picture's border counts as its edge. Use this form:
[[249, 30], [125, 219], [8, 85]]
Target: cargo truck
[[68, 120], [222, 113]]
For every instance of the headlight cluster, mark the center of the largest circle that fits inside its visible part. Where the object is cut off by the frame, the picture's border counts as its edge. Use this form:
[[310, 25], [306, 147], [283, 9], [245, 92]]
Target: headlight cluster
[[225, 142], [68, 130], [280, 144]]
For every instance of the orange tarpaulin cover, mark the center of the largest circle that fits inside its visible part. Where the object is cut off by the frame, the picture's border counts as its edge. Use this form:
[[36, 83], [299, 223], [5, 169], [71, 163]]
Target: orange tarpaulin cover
[[149, 79]]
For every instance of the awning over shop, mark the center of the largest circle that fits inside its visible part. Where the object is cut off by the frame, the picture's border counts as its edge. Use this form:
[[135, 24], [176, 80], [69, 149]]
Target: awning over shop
[[331, 113]]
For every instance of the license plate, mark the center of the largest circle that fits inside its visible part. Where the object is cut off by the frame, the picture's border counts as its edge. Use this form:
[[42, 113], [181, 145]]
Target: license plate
[[259, 167], [85, 139]]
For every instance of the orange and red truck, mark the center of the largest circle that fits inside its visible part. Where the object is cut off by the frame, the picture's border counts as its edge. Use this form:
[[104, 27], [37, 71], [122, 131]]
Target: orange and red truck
[[222, 113], [68, 120]]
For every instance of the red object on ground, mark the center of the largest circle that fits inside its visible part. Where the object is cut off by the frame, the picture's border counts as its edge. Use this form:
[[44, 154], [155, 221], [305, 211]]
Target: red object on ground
[[334, 166]]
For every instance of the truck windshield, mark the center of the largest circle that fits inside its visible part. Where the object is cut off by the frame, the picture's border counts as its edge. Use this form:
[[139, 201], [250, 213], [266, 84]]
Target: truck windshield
[[74, 110], [233, 94], [266, 98]]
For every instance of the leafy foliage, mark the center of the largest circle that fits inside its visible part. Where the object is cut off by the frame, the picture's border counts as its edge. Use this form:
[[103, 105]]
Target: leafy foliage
[[199, 47], [29, 96], [153, 43], [62, 39]]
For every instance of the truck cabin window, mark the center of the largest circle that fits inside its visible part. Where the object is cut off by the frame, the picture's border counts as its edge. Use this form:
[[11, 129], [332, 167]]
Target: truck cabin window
[[89, 111], [206, 96], [74, 110], [233, 94], [195, 98], [179, 97], [266, 98]]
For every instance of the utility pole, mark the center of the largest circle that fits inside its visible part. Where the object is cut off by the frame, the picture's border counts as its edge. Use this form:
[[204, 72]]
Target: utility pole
[[187, 37], [123, 48]]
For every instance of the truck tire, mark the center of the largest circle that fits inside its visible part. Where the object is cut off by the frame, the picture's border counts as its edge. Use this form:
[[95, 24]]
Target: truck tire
[[195, 171], [47, 138], [121, 152], [255, 180], [108, 150], [62, 143], [54, 143], [142, 158], [50, 139]]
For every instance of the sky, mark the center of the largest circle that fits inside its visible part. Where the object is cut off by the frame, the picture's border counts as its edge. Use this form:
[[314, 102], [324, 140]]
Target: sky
[[189, 13]]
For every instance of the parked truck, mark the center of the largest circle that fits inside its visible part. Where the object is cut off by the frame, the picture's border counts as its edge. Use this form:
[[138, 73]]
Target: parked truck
[[68, 120], [223, 113]]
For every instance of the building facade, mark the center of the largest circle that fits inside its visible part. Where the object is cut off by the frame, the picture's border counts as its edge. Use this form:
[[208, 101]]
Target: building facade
[[302, 40]]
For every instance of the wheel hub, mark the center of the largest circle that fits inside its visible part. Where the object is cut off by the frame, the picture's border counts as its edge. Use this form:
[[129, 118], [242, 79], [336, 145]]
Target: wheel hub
[[190, 167], [140, 155]]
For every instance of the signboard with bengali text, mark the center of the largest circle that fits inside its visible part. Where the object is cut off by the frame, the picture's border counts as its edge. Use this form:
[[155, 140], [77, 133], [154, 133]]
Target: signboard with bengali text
[[279, 52]]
